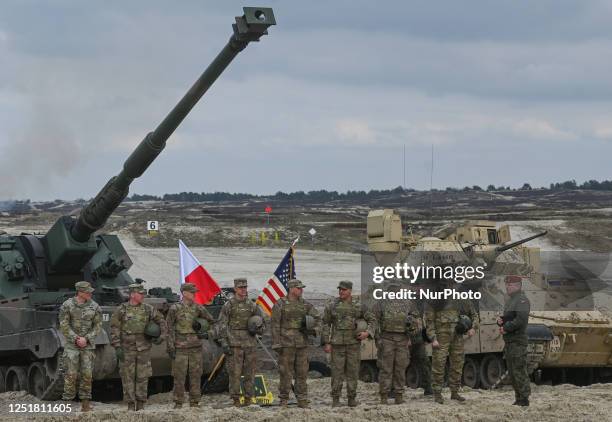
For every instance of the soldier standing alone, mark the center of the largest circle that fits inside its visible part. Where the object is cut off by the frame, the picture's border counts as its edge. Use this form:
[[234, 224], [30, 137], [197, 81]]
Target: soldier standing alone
[[339, 337], [238, 329], [184, 346], [513, 326], [397, 321], [132, 343], [80, 322], [290, 340], [445, 326]]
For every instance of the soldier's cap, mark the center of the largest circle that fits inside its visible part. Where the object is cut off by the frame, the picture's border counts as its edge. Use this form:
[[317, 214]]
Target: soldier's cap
[[189, 287], [240, 282], [294, 282], [137, 287], [513, 279], [345, 284], [84, 286]]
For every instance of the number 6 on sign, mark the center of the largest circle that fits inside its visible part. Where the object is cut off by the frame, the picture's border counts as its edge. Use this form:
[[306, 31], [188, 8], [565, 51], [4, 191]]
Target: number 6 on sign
[[152, 225]]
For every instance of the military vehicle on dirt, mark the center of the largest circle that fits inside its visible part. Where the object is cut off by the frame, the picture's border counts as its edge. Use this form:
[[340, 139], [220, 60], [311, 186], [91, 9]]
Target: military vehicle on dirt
[[567, 342], [38, 273]]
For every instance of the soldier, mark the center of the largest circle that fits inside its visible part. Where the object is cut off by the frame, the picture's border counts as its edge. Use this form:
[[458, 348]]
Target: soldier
[[290, 340], [397, 320], [80, 322], [513, 326], [418, 354], [340, 337], [132, 342], [237, 337], [446, 330], [184, 345]]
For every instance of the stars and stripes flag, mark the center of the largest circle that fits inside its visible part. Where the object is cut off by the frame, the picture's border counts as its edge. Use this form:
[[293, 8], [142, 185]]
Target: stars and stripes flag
[[277, 284]]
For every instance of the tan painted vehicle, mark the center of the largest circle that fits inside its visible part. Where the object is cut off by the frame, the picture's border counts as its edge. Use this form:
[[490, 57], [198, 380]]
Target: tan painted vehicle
[[569, 339]]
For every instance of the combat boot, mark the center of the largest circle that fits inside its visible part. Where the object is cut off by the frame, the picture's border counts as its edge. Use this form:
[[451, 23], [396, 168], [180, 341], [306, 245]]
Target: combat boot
[[236, 402], [247, 401], [523, 402], [427, 391], [383, 399], [178, 405], [303, 404], [455, 396], [335, 401], [85, 406], [194, 404], [352, 402], [437, 396], [139, 405], [131, 406], [283, 402], [399, 398]]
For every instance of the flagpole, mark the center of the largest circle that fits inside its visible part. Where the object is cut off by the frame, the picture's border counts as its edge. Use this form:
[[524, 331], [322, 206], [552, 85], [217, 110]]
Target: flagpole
[[297, 239]]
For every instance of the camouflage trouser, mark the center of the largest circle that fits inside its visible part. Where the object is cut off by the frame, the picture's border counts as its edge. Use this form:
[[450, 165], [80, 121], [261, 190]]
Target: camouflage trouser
[[293, 362], [516, 363], [451, 346], [135, 371], [345, 361], [394, 358], [418, 357], [242, 361], [187, 361], [78, 364]]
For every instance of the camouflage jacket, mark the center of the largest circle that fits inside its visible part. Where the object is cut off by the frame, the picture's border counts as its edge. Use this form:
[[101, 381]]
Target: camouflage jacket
[[180, 318], [396, 317], [340, 319], [233, 322], [128, 324], [80, 320], [446, 319], [288, 322], [516, 317]]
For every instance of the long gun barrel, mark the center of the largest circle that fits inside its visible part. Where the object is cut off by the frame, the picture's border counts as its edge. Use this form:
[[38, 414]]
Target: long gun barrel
[[500, 249], [249, 27]]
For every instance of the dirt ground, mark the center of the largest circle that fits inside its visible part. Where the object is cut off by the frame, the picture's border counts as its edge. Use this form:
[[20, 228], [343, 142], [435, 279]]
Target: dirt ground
[[562, 402]]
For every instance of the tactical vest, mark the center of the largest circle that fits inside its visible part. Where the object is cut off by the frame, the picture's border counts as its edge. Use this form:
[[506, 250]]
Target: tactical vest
[[135, 318], [82, 317], [293, 314], [393, 320], [345, 315], [239, 314], [185, 315]]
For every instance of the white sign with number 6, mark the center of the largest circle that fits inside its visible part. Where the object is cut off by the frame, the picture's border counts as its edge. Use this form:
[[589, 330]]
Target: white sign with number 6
[[152, 225]]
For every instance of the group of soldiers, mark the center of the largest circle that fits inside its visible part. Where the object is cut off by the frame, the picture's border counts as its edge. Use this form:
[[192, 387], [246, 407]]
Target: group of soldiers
[[400, 328]]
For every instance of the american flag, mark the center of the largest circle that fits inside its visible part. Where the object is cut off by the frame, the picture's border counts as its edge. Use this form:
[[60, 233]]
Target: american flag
[[277, 284]]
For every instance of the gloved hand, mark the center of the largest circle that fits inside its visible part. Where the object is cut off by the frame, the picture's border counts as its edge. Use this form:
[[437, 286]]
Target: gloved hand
[[226, 349], [172, 353], [120, 354]]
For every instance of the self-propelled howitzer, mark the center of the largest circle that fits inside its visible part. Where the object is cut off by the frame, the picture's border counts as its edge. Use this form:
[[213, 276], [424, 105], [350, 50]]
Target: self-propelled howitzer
[[37, 273]]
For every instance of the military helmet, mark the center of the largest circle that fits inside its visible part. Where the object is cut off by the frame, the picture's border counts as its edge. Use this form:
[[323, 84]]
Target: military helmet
[[361, 325], [255, 325], [152, 330], [464, 324], [200, 325], [309, 324]]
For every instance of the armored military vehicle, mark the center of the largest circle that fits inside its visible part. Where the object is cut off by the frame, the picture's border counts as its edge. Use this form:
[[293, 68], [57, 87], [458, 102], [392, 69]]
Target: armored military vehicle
[[38, 273], [569, 340]]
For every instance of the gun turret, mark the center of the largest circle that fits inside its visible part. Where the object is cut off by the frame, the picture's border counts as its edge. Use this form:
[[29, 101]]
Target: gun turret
[[70, 244], [503, 248]]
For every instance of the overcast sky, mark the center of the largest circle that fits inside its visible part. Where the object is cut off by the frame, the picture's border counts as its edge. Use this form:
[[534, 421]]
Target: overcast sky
[[507, 92]]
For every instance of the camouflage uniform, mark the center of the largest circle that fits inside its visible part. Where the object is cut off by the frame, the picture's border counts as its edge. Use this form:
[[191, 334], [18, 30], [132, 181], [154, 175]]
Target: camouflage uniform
[[79, 320], [441, 321], [290, 340], [128, 324], [239, 343], [516, 316], [185, 346], [338, 329], [397, 320]]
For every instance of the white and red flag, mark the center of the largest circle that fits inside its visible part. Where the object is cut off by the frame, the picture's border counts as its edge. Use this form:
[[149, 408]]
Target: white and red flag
[[193, 272]]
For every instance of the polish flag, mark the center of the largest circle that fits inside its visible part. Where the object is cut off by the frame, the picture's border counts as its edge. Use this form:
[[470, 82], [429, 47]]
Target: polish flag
[[193, 272]]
